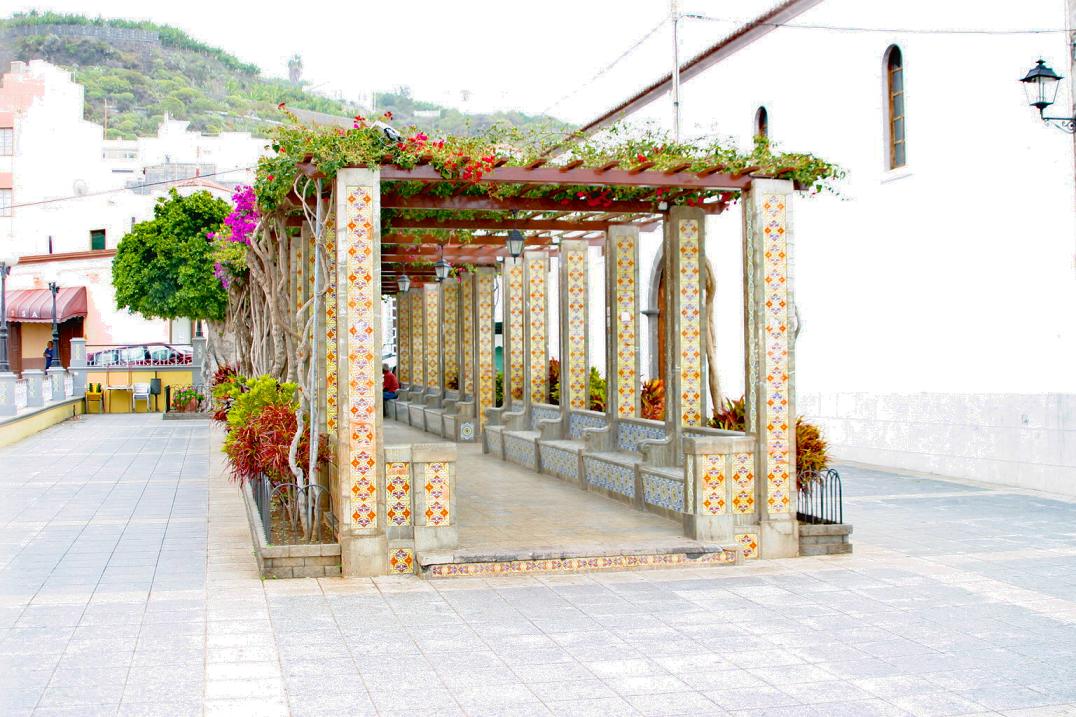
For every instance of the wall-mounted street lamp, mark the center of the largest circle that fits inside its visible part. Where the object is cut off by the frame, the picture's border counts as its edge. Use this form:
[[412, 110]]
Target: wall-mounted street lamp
[[54, 288], [8, 259], [514, 243], [404, 282], [1040, 86]]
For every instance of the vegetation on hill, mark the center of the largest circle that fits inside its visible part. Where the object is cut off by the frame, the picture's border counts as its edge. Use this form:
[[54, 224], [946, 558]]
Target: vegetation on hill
[[133, 85]]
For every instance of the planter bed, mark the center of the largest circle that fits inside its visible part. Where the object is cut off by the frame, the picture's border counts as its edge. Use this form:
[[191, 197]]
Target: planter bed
[[308, 560]]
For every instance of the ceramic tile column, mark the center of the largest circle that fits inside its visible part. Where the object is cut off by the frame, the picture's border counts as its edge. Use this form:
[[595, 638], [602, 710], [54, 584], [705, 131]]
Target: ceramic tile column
[[622, 280], [431, 300], [484, 368], [403, 338], [536, 364], [573, 328], [418, 339], [450, 291], [360, 499], [515, 309], [770, 357], [467, 338], [684, 253], [328, 349]]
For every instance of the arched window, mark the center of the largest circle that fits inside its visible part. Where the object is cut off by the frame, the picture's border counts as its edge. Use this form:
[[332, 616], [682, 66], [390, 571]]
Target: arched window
[[894, 86], [762, 123]]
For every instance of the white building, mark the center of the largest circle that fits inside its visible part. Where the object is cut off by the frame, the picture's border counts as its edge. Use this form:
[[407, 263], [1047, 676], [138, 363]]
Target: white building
[[937, 294], [65, 200]]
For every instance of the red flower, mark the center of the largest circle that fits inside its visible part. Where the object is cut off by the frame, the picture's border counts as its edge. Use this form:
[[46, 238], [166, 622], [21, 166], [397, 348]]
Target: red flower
[[270, 177], [640, 157], [282, 105], [387, 115], [360, 118]]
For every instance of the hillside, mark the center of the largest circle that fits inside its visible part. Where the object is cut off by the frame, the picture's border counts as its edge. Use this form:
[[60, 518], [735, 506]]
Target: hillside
[[136, 71]]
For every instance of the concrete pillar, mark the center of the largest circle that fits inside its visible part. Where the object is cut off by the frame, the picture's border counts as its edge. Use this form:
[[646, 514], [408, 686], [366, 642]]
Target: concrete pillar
[[770, 358], [575, 349], [684, 252], [198, 346], [720, 493], [78, 366], [484, 371], [56, 375], [7, 394], [515, 309], [535, 331], [467, 338], [35, 393], [431, 299], [622, 352], [360, 499], [450, 326], [403, 338]]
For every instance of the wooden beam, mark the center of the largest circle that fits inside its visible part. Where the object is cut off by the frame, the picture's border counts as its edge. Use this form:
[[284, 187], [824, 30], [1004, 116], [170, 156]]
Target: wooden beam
[[579, 176], [520, 224], [422, 201]]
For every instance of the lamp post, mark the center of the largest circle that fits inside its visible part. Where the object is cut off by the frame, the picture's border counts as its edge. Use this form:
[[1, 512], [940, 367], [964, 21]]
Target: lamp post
[[8, 259], [404, 282], [1040, 86], [54, 288], [442, 267], [514, 243]]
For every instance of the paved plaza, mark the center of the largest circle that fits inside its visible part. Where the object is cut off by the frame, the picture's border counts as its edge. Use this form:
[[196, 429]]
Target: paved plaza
[[128, 585]]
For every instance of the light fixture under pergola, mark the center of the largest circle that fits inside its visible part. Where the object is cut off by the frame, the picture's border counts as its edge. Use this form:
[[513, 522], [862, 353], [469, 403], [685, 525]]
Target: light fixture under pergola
[[1040, 86]]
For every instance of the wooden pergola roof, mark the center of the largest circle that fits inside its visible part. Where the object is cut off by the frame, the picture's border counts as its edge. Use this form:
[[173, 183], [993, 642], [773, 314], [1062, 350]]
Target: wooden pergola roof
[[425, 213]]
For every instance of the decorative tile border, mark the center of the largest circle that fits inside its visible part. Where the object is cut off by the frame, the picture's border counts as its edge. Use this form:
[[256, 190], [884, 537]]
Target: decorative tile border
[[743, 475], [487, 376], [364, 355], [690, 323], [398, 493], [712, 467], [575, 261], [663, 492], [749, 541], [402, 561], [438, 488], [418, 338], [776, 300], [514, 309], [432, 300], [556, 565], [537, 315], [451, 290], [332, 391], [626, 323], [403, 338]]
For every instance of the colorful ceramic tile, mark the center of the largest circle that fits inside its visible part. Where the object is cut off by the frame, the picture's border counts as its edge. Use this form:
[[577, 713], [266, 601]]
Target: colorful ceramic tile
[[537, 315], [515, 308], [559, 462], [779, 436], [749, 542], [332, 391], [712, 467], [582, 564], [402, 561], [438, 489], [403, 338], [398, 493], [575, 263], [467, 333], [743, 478], [691, 323], [629, 435], [418, 338], [626, 321], [487, 377], [363, 352], [613, 477], [450, 327], [664, 492], [432, 300]]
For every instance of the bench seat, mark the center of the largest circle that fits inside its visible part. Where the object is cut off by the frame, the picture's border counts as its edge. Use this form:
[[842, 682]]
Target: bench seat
[[521, 448]]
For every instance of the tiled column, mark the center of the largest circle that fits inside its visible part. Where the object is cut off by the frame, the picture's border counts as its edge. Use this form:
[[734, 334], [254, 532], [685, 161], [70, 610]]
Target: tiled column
[[720, 496], [329, 329], [622, 280], [484, 371], [573, 327], [685, 329], [403, 338], [771, 410], [418, 339], [467, 359], [450, 289], [360, 501], [536, 268], [515, 310], [431, 310]]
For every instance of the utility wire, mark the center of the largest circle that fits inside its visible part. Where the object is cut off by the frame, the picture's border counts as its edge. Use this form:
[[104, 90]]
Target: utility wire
[[905, 31], [127, 189], [608, 67]]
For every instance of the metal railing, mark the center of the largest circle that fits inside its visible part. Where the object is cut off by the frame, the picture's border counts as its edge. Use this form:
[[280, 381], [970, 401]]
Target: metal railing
[[821, 498], [289, 498], [131, 356]]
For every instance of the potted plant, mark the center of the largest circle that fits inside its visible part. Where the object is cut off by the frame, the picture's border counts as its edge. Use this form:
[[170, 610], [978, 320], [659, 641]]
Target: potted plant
[[186, 400]]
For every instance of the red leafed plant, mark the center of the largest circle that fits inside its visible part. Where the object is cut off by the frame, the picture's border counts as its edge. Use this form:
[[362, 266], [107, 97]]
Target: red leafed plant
[[653, 399], [554, 381], [261, 446], [225, 372]]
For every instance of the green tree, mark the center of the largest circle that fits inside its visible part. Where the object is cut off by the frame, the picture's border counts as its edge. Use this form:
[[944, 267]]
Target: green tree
[[164, 267]]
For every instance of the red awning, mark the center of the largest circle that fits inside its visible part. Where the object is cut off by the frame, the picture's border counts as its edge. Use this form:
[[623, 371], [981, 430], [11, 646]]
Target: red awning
[[34, 306]]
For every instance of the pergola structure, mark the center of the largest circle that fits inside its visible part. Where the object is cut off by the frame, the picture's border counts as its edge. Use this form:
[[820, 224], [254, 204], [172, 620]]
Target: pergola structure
[[392, 220]]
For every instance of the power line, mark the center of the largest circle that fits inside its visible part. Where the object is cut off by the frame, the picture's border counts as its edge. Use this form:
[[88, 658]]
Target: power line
[[904, 31], [128, 189], [608, 67]]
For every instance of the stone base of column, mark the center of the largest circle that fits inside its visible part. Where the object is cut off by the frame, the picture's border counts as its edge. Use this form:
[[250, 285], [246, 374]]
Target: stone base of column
[[710, 529], [7, 394], [364, 556], [779, 539]]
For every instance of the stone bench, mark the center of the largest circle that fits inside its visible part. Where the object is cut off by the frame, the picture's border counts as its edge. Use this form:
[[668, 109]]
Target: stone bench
[[562, 456], [399, 409], [435, 412], [521, 444]]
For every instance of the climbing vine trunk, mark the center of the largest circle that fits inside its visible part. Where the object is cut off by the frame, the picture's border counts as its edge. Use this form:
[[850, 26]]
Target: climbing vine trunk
[[711, 338]]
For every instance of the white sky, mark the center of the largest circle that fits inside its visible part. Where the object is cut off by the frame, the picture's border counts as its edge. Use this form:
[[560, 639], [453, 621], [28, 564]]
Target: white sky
[[508, 54]]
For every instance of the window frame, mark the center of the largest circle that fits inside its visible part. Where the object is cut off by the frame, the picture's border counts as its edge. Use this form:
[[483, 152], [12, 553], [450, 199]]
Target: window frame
[[104, 239]]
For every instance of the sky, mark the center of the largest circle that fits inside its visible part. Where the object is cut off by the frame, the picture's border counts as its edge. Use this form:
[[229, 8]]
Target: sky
[[529, 56]]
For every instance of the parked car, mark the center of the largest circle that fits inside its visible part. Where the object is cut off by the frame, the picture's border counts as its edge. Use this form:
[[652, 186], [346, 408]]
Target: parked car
[[141, 355]]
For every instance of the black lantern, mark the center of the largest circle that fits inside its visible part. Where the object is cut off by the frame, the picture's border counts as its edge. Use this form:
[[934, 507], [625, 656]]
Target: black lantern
[[442, 267], [1040, 86], [514, 242], [404, 282]]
